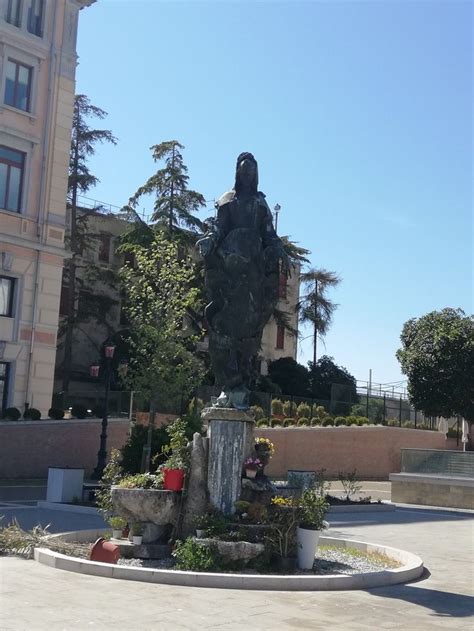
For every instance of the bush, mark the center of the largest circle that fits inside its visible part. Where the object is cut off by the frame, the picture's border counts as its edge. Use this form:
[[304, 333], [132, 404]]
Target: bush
[[277, 407], [327, 421], [32, 414], [320, 413], [263, 422], [408, 425], [276, 422], [315, 421], [289, 422], [303, 421], [362, 420], [56, 414], [132, 451], [11, 414], [142, 481], [289, 408], [393, 422], [341, 420], [258, 412], [193, 556], [303, 410], [79, 411]]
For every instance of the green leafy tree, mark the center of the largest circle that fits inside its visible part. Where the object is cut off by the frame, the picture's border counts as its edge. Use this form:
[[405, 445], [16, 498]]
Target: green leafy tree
[[175, 204], [164, 365], [291, 377], [314, 307], [332, 383], [437, 356], [83, 145]]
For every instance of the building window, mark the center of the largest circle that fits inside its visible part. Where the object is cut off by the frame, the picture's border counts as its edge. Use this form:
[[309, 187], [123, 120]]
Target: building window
[[36, 17], [18, 85], [282, 283], [7, 286], [4, 375], [11, 178], [64, 301], [280, 341], [104, 247], [13, 13]]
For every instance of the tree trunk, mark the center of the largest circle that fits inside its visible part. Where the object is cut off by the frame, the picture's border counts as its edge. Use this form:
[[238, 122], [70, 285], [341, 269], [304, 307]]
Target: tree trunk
[[315, 338], [170, 220]]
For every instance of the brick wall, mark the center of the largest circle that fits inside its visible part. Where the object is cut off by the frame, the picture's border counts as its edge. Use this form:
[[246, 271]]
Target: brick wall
[[373, 451]]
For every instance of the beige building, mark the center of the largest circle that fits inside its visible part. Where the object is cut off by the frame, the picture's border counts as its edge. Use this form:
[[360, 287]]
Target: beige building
[[37, 72]]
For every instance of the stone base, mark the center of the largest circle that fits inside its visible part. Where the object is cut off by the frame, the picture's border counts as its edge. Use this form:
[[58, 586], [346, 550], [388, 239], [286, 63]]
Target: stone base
[[243, 551], [432, 490], [145, 551]]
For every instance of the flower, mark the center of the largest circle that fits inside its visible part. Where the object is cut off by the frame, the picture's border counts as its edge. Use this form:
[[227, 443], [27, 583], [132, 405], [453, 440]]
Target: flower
[[265, 444], [253, 463]]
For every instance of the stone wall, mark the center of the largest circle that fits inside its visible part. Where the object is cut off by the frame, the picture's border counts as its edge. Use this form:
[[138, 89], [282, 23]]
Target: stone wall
[[374, 451], [28, 448]]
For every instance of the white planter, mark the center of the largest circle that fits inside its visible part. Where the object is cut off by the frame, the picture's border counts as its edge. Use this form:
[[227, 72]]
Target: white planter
[[116, 534], [250, 473], [307, 541], [200, 534], [137, 540]]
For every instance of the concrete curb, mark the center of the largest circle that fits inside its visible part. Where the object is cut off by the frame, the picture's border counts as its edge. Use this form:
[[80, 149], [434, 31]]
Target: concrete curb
[[411, 569], [68, 508]]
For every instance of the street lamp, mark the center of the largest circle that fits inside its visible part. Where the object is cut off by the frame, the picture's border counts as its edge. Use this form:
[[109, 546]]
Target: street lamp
[[109, 350]]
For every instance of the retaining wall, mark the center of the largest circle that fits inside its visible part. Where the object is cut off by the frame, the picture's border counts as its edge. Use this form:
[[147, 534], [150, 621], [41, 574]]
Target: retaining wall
[[374, 451]]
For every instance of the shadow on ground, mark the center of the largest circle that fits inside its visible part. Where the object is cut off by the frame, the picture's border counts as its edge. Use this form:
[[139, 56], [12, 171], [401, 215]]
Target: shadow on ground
[[440, 603]]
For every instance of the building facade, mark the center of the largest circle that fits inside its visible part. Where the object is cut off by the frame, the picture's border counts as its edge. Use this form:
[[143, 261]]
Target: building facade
[[37, 85]]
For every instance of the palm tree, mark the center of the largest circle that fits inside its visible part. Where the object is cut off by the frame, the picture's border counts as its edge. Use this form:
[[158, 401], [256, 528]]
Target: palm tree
[[314, 306]]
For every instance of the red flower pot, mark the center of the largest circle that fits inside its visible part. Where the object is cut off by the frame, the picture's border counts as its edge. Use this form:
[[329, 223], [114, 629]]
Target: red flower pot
[[173, 479], [104, 552]]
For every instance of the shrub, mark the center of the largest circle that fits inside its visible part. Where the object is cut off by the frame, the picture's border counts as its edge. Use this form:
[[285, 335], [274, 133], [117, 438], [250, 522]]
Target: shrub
[[289, 408], [11, 414], [315, 421], [132, 451], [327, 422], [263, 422], [56, 413], [288, 422], [351, 420], [408, 425], [341, 420], [194, 556], [277, 407], [276, 422], [117, 523], [258, 412], [303, 421], [79, 411], [393, 422], [32, 414], [142, 481], [349, 483], [362, 420], [303, 410]]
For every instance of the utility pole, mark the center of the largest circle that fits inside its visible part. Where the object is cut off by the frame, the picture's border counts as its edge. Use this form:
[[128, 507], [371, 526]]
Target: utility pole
[[315, 340], [277, 209]]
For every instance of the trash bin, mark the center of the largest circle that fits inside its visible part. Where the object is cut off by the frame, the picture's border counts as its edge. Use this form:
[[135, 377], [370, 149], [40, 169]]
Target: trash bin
[[64, 484]]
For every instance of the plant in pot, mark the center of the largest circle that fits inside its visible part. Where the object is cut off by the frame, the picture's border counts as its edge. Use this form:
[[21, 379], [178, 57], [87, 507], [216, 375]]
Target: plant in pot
[[117, 524], [312, 508], [202, 523], [282, 520], [177, 462], [264, 448], [136, 532], [252, 466]]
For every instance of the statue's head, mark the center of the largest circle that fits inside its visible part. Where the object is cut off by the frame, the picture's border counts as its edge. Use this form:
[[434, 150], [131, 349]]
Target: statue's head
[[246, 173]]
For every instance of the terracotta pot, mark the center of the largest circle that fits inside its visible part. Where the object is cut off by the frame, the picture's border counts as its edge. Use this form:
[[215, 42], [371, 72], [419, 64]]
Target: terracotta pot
[[173, 479], [104, 552]]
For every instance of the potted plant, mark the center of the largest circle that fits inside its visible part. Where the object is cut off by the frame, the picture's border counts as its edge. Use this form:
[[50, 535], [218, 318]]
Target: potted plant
[[202, 523], [283, 520], [117, 524], [137, 533], [312, 508], [264, 448], [177, 462], [252, 466]]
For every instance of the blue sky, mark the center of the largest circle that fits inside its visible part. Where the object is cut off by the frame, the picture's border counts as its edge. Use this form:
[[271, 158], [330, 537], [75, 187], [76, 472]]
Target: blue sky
[[359, 114]]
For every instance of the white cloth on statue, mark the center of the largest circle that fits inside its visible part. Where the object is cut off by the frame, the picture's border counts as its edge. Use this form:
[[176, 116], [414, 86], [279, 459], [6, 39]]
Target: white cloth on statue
[[465, 431], [443, 426]]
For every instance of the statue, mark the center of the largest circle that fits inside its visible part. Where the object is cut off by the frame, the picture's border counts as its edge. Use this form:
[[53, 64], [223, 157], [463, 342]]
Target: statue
[[242, 255]]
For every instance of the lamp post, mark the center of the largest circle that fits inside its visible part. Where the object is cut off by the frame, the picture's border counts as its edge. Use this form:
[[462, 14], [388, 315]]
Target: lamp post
[[109, 350]]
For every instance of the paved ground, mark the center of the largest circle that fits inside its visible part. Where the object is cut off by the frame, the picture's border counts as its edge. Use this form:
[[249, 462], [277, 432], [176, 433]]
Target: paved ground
[[36, 598]]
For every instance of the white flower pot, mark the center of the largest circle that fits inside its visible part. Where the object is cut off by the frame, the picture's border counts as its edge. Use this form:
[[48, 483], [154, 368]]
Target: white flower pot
[[137, 540], [307, 545], [116, 534], [200, 534], [250, 473]]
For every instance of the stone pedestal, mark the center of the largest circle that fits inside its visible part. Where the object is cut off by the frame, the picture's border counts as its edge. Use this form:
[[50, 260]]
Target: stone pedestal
[[230, 435]]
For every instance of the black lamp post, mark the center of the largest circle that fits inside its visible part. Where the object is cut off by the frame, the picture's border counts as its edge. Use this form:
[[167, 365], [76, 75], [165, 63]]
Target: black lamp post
[[94, 371]]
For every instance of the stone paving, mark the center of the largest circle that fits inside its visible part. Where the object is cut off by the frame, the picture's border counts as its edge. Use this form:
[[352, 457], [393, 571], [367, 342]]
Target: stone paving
[[38, 598]]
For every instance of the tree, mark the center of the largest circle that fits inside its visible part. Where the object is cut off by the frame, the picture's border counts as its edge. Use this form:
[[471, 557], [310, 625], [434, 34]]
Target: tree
[[437, 356], [164, 365], [174, 204], [332, 383], [314, 306], [291, 377], [83, 146]]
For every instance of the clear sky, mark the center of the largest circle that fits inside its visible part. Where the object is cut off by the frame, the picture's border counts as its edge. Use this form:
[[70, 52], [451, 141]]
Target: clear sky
[[359, 114]]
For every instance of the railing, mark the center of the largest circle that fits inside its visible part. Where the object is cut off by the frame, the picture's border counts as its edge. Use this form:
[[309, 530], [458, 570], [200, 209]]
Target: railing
[[121, 403], [441, 462]]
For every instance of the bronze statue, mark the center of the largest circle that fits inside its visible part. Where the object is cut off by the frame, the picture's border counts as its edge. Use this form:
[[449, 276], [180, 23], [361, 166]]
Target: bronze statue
[[242, 255]]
